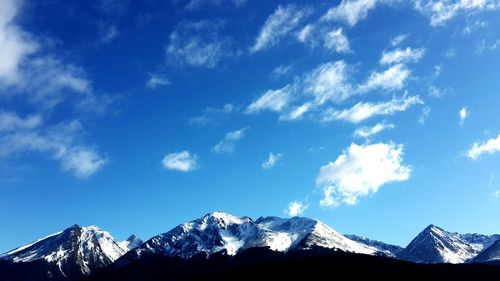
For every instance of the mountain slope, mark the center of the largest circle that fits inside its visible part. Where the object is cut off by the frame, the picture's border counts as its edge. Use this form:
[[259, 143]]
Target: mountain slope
[[490, 254], [218, 231], [130, 243], [389, 250], [435, 245], [75, 251]]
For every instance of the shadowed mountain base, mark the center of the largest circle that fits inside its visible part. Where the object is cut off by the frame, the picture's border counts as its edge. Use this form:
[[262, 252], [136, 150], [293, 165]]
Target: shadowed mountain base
[[263, 264]]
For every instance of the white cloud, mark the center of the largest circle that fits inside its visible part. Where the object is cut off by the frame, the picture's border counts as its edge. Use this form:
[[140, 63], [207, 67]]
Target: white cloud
[[350, 11], [212, 116], [360, 171], [328, 82], [271, 161], [198, 44], [273, 100], [436, 92], [391, 79], [440, 11], [366, 132], [228, 143], [281, 70], [62, 142], [297, 112], [463, 114], [304, 35], [398, 39], [283, 21], [154, 81], [402, 56], [496, 194], [426, 111], [296, 208], [337, 41], [15, 44], [489, 147], [180, 161], [365, 110]]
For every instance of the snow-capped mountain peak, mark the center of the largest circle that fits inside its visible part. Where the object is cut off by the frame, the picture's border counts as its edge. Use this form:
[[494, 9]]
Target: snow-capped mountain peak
[[75, 250], [435, 245], [219, 231], [130, 243]]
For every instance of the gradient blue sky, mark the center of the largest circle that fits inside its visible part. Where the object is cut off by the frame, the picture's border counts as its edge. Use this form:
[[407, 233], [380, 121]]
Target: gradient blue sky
[[377, 117]]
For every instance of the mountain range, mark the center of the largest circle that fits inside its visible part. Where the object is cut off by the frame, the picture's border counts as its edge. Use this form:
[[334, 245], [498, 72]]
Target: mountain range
[[77, 251]]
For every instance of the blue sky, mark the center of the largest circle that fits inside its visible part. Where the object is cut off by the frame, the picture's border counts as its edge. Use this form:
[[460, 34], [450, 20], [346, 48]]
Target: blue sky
[[377, 117]]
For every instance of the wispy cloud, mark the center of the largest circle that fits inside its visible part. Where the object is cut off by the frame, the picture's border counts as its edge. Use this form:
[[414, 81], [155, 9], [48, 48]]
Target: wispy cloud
[[156, 80], [296, 208], [463, 114], [62, 142], [441, 11], [426, 111], [273, 100], [180, 161], [271, 161], [398, 39], [328, 82], [393, 78], [488, 147], [350, 11], [199, 44], [360, 171], [337, 41], [228, 143], [402, 56], [496, 194], [365, 110], [367, 132], [213, 115], [194, 5], [279, 24]]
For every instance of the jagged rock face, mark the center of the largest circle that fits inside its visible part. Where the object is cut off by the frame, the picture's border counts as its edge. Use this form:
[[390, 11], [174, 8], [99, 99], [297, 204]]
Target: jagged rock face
[[216, 232], [73, 252]]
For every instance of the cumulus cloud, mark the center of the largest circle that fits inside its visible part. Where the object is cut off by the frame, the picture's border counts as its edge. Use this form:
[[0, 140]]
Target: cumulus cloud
[[360, 171], [441, 11], [463, 114], [271, 161], [393, 78], [63, 142], [366, 132], [180, 161], [402, 56], [228, 143], [212, 115], [296, 208], [365, 110], [273, 100], [488, 147], [198, 44], [337, 41], [350, 11], [155, 80], [278, 25]]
